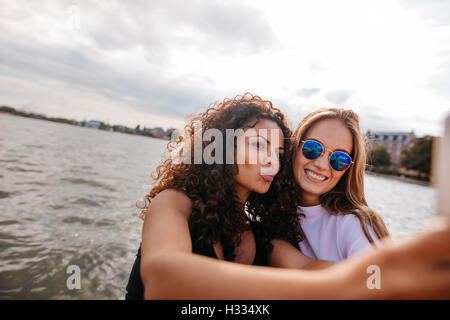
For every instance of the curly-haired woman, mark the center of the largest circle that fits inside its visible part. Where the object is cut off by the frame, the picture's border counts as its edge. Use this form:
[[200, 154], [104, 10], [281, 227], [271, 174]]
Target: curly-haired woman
[[225, 209]]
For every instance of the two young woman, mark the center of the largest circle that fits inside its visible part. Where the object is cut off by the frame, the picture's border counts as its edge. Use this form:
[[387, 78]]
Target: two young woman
[[246, 212]]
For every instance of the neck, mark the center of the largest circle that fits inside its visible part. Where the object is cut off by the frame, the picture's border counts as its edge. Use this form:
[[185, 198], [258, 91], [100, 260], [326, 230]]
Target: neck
[[309, 200], [243, 194]]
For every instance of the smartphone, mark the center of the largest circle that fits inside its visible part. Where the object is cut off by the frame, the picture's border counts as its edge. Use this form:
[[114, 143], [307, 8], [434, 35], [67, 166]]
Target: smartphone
[[443, 172]]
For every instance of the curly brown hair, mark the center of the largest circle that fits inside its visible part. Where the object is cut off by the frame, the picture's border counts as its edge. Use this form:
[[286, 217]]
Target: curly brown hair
[[217, 214]]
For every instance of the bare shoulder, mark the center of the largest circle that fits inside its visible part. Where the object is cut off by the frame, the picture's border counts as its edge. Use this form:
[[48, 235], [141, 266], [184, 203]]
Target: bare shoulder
[[166, 227], [171, 200]]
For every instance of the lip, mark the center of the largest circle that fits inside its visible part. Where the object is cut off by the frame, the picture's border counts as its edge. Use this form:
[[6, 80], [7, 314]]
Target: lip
[[267, 177], [312, 179]]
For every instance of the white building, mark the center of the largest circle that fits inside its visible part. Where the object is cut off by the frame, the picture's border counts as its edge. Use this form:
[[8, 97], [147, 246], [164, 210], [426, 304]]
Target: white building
[[93, 124]]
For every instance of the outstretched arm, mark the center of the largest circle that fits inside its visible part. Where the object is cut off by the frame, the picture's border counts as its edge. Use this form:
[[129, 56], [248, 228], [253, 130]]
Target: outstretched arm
[[170, 270]]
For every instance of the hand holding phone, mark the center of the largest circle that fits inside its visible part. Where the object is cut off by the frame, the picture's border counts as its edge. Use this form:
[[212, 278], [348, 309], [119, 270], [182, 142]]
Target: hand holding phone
[[443, 172]]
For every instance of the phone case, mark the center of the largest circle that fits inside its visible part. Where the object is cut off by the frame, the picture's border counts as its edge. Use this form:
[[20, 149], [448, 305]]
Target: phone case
[[443, 172]]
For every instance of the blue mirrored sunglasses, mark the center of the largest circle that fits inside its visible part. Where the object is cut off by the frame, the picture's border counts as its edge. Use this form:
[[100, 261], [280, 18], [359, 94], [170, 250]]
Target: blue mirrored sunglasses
[[339, 160]]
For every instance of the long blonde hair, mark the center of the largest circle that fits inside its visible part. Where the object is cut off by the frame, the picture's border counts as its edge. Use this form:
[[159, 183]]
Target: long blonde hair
[[347, 197]]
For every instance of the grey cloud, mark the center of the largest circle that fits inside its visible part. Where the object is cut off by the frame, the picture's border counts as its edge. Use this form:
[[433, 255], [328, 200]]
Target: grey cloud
[[151, 91], [375, 122], [372, 119], [293, 111], [212, 27], [339, 97], [218, 27], [307, 92], [435, 13], [159, 27]]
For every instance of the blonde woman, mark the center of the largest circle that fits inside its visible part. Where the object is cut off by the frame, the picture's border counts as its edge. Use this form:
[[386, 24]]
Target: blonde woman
[[328, 164]]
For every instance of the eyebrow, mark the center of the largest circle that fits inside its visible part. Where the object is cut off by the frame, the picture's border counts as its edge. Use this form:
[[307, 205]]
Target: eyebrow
[[343, 150]]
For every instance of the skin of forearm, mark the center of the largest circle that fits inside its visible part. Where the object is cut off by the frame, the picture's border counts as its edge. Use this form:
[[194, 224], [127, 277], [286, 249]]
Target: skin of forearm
[[284, 255], [191, 276], [302, 263], [318, 265]]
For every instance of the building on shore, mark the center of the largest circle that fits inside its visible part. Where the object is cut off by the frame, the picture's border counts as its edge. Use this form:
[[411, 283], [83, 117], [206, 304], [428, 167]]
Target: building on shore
[[157, 133], [93, 124], [394, 142]]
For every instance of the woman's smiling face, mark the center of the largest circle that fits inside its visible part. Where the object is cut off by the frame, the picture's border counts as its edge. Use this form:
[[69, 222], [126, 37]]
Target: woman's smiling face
[[316, 177]]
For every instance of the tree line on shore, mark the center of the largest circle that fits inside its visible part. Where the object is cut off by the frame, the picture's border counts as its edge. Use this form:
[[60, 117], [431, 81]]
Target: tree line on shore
[[149, 132]]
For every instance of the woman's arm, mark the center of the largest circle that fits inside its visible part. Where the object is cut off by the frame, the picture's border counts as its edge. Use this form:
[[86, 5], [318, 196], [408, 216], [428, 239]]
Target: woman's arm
[[285, 255], [170, 270]]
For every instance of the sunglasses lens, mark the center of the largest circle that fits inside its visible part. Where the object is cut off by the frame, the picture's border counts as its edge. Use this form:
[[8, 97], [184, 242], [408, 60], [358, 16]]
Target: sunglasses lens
[[340, 161], [312, 149]]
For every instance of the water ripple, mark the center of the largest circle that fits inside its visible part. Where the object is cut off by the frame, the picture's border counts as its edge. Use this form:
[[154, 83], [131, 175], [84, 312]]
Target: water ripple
[[86, 202], [4, 194], [19, 169], [75, 219], [8, 222], [91, 183]]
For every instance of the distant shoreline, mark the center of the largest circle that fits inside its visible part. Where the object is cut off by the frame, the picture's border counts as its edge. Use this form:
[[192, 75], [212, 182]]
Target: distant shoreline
[[400, 178], [157, 133], [165, 136]]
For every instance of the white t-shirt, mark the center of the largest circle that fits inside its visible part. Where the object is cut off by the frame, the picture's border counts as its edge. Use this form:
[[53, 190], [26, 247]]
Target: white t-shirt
[[333, 238]]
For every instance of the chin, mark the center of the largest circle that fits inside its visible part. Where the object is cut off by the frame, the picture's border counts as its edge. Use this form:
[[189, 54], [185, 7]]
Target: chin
[[262, 189], [312, 189]]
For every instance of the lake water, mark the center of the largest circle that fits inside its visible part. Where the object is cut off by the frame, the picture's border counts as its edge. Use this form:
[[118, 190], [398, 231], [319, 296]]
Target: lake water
[[68, 195]]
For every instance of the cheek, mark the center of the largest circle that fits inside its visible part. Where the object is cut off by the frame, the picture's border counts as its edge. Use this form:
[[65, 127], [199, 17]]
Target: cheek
[[299, 164], [336, 177], [297, 169], [246, 173]]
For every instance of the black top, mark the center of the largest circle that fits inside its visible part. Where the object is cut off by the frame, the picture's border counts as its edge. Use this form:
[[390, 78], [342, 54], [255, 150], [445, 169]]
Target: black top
[[135, 288]]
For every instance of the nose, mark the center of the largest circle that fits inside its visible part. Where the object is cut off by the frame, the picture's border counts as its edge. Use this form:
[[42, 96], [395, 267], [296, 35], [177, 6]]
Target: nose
[[271, 163], [322, 161]]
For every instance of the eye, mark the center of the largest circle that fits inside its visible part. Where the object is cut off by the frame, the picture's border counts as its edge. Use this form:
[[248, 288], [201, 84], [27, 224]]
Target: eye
[[257, 144], [280, 153]]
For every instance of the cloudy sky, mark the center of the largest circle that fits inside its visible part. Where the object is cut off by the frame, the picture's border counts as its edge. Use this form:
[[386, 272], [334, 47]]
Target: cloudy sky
[[153, 62]]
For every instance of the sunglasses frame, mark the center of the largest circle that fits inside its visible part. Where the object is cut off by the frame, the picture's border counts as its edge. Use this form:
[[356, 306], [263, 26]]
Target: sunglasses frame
[[330, 153]]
